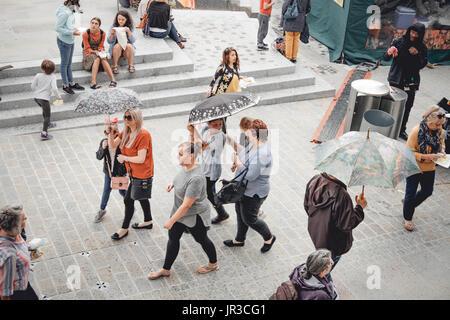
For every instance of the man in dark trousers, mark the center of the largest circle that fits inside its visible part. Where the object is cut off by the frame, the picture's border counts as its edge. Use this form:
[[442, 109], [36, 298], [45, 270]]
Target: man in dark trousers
[[331, 215], [410, 55]]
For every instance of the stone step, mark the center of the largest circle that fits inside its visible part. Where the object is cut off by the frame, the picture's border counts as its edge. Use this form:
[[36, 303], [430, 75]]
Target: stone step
[[148, 50], [148, 83], [272, 90], [179, 63]]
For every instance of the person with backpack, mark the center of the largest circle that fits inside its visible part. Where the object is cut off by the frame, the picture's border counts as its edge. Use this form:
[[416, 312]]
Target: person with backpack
[[331, 215], [94, 54], [294, 20], [15, 259], [309, 280]]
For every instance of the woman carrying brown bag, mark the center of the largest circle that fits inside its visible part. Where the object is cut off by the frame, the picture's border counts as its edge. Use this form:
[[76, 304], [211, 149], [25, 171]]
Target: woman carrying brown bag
[[136, 148]]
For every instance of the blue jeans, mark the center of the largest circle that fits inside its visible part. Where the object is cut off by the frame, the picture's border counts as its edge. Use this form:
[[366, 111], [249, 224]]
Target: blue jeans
[[66, 52], [413, 199], [107, 191], [335, 261], [171, 32]]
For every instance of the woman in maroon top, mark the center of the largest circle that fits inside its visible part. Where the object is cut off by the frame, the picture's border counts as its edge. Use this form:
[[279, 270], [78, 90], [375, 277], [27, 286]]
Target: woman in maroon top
[[136, 151]]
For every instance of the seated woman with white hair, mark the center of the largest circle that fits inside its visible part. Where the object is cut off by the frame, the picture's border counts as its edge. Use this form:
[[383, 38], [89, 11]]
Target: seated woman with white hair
[[427, 142], [14, 256]]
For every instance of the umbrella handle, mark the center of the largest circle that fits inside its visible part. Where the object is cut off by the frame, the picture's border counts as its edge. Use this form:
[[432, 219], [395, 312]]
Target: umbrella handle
[[362, 193]]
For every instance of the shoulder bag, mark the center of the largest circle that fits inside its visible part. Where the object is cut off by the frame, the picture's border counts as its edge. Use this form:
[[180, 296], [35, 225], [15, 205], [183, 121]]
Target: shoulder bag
[[291, 11], [233, 190], [141, 189], [117, 183]]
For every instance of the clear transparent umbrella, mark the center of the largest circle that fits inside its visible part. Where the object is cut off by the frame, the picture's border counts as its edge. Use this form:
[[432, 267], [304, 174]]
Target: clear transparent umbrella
[[359, 158]]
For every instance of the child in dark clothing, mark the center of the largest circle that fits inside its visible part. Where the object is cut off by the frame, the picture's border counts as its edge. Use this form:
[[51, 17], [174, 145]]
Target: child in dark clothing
[[109, 157]]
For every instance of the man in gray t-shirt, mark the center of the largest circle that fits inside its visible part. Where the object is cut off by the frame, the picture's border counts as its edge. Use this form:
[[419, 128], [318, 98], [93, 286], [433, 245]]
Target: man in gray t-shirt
[[191, 184]]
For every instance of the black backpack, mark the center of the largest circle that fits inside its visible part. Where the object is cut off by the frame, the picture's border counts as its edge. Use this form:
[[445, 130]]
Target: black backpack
[[89, 35]]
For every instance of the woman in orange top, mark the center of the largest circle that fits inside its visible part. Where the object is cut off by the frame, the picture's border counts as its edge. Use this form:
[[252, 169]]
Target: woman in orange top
[[94, 53], [136, 148], [427, 141]]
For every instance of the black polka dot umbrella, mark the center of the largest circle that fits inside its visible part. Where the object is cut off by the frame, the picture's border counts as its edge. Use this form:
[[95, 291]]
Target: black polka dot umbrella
[[221, 106]]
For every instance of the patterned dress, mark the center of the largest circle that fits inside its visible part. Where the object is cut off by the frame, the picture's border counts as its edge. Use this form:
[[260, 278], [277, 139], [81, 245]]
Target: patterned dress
[[224, 79]]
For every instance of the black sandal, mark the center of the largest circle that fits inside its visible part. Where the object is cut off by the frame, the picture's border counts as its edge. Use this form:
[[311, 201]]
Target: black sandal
[[94, 86], [113, 84]]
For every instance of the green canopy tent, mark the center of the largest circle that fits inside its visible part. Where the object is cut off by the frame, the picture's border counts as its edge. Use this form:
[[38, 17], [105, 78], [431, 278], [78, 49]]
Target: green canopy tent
[[342, 25]]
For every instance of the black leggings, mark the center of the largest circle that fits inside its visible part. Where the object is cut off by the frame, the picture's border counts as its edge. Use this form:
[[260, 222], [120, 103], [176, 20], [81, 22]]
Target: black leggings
[[199, 232], [129, 209]]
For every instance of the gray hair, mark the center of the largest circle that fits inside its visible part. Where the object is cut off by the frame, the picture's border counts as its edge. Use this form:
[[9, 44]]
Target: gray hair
[[11, 219], [432, 113], [317, 262]]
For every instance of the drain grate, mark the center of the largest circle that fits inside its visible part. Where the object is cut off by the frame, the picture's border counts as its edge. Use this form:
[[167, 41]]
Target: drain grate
[[101, 285]]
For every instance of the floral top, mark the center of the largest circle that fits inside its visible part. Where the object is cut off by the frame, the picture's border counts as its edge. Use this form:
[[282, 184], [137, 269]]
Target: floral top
[[222, 79]]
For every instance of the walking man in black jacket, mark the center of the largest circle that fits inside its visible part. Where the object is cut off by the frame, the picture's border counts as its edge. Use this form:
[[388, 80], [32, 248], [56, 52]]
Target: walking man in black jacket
[[410, 55]]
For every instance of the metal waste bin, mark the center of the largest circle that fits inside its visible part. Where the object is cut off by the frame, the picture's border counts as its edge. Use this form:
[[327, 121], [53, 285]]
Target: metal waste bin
[[378, 121], [394, 104], [365, 94]]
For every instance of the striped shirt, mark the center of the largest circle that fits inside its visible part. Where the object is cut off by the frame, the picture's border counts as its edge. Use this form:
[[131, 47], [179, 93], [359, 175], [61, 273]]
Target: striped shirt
[[14, 265]]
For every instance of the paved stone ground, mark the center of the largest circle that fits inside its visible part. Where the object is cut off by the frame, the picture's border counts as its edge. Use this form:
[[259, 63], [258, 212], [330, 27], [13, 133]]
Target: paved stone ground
[[60, 182]]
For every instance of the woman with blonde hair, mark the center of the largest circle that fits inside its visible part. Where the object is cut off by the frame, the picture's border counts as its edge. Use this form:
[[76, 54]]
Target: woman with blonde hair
[[136, 152], [427, 142]]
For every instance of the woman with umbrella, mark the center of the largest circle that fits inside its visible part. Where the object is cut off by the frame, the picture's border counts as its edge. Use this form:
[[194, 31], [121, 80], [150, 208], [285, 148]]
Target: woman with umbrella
[[136, 148], [212, 140], [256, 158], [427, 141]]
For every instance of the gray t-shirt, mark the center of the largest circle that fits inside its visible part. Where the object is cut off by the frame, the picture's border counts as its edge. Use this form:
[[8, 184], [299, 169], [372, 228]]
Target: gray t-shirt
[[212, 155], [192, 184]]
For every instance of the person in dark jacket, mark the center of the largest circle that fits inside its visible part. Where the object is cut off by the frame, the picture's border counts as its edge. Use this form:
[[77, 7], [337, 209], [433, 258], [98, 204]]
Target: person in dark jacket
[[310, 278], [331, 215], [410, 55], [117, 169], [159, 25], [294, 27]]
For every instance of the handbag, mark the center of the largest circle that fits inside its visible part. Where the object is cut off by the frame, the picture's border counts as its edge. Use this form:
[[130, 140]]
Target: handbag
[[117, 183], [233, 190], [291, 11], [141, 189]]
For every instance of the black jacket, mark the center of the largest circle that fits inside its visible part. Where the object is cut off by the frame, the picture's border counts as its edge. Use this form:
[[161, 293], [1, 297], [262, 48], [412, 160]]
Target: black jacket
[[119, 168], [331, 215], [405, 67], [158, 15]]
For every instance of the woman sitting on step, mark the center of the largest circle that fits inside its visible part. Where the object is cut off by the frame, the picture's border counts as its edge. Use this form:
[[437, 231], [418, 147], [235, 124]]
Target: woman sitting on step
[[94, 55], [121, 40], [159, 24]]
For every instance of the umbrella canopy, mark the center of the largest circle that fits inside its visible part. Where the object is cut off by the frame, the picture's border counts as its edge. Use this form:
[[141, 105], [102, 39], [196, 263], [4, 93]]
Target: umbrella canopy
[[356, 158], [107, 101], [221, 106]]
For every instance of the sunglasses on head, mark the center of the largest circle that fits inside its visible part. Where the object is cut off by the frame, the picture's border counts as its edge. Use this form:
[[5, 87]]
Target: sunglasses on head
[[129, 118]]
